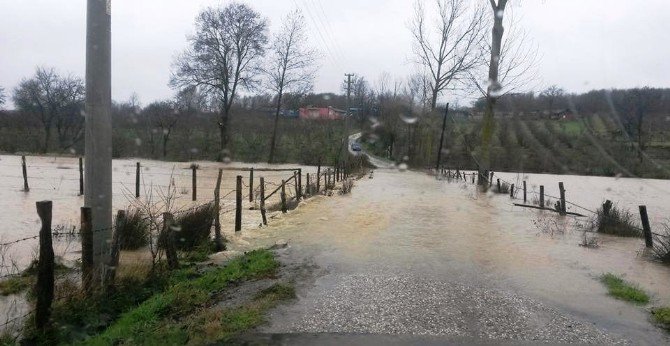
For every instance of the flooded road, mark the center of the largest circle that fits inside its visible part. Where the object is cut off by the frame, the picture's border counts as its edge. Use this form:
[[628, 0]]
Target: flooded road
[[407, 254]]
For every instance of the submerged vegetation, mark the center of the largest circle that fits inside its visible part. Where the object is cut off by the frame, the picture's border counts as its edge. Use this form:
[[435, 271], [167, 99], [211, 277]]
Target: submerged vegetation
[[661, 250], [613, 220], [623, 290]]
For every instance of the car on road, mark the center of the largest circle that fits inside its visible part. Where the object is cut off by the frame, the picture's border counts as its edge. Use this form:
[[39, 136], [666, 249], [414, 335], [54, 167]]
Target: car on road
[[356, 146]]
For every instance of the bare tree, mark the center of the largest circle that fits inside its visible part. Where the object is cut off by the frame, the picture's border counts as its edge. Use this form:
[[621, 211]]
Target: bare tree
[[163, 116], [223, 57], [552, 95], [3, 97], [493, 89], [449, 50], [55, 101], [517, 60], [291, 66]]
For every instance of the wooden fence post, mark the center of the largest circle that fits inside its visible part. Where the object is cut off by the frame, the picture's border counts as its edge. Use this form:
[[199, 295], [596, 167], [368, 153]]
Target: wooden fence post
[[44, 288], [238, 205], [86, 249], [251, 185], [110, 273], [542, 196], [648, 239], [25, 174], [318, 177], [299, 183], [491, 179], [473, 178], [511, 191], [137, 180], [562, 189], [170, 246], [308, 188], [265, 220], [295, 183], [524, 191], [81, 176], [283, 196], [218, 239], [499, 186], [194, 182]]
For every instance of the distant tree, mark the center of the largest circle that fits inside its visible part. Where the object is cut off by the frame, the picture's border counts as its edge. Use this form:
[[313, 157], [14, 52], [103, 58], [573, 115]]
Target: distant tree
[[290, 67], [3, 97], [223, 57], [55, 101], [163, 117], [634, 106], [450, 50], [553, 96]]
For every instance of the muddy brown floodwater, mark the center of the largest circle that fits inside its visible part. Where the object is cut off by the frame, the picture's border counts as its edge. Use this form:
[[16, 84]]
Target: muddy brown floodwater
[[410, 224]]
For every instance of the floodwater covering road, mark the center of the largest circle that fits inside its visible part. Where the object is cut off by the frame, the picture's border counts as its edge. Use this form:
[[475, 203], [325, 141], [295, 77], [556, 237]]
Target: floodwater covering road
[[408, 256]]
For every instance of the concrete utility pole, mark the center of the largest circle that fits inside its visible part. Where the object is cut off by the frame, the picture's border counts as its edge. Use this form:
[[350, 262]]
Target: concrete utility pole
[[345, 143], [349, 81], [98, 169], [439, 149]]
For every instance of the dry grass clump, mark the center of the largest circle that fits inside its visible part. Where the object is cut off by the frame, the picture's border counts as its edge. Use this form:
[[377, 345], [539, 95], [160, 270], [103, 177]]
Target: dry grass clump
[[610, 219]]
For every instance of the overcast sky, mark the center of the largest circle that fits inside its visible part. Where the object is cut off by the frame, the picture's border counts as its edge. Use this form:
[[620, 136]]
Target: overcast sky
[[583, 44]]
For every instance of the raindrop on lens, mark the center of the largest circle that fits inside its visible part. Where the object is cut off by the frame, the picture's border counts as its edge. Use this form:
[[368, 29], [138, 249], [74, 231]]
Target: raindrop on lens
[[138, 142], [408, 118], [500, 13], [402, 167]]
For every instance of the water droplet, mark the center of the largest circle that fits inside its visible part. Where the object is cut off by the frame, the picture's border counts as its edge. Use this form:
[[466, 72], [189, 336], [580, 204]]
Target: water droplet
[[194, 150], [402, 167], [73, 151], [410, 119], [326, 97], [500, 13], [138, 141], [82, 113], [405, 158]]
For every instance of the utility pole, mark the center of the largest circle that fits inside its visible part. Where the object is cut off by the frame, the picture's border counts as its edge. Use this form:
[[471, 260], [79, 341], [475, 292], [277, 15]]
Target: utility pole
[[349, 81], [439, 149], [98, 151], [345, 143]]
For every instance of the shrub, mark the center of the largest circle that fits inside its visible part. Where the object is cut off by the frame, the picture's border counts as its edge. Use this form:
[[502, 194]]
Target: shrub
[[194, 227], [610, 219], [661, 250], [135, 232], [662, 316], [504, 188], [347, 186]]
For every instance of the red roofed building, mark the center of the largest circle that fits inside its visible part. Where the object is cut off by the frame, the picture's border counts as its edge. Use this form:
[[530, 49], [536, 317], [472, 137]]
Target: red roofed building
[[328, 113]]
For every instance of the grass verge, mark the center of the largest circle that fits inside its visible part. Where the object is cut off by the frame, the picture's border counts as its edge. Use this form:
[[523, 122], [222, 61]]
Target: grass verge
[[183, 313], [662, 316], [623, 290]]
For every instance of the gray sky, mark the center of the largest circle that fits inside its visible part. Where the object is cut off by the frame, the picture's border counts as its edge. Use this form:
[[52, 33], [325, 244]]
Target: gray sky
[[583, 44]]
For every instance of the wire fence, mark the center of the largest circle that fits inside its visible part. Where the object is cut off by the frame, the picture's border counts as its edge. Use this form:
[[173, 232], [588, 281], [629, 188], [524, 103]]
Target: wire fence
[[515, 188]]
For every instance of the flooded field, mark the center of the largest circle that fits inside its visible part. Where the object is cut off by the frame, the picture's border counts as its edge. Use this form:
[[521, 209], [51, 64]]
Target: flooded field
[[406, 222], [57, 179]]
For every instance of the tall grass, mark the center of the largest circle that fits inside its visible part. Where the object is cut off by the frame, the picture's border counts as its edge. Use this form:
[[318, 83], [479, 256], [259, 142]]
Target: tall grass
[[610, 219], [661, 250], [135, 232], [194, 227]]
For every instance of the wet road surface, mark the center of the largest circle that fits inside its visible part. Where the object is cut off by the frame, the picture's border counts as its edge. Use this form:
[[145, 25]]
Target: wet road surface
[[429, 262]]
